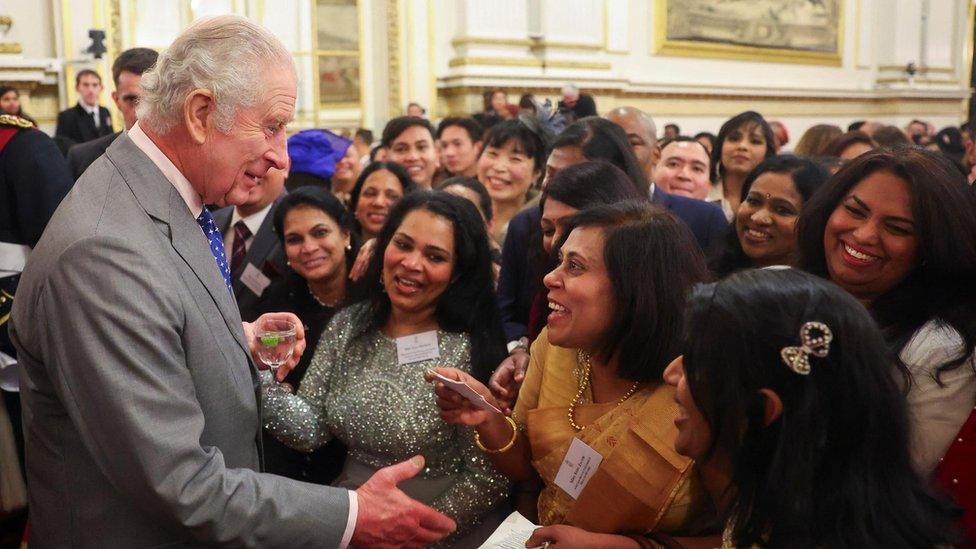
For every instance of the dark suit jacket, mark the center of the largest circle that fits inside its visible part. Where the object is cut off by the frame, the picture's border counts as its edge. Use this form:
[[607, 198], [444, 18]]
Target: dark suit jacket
[[33, 180], [77, 125], [706, 220], [265, 254], [516, 286], [82, 155]]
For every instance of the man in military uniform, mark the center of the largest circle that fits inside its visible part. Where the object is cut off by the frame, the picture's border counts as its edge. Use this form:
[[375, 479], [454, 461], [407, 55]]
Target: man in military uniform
[[34, 178]]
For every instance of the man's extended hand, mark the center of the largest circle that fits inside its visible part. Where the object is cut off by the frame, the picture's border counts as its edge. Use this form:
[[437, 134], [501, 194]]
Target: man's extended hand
[[389, 518], [299, 342]]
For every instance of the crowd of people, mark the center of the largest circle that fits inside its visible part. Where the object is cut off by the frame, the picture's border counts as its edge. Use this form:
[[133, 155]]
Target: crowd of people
[[684, 341]]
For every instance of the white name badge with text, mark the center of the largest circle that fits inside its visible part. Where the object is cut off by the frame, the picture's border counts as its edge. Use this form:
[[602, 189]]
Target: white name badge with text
[[578, 467], [417, 347], [254, 279]]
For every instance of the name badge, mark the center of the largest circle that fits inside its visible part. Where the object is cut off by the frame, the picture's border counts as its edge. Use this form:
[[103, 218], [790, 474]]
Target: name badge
[[578, 467], [417, 347], [254, 279]]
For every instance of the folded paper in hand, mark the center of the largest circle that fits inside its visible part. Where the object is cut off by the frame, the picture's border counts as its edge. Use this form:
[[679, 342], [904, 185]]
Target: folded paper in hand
[[466, 391], [512, 533]]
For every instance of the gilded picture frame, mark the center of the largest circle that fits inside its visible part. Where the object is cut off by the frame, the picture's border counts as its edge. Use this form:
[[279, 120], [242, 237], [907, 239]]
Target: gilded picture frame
[[771, 31]]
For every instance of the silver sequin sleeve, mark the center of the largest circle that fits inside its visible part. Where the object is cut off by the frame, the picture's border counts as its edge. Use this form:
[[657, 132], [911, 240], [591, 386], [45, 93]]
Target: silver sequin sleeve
[[384, 412]]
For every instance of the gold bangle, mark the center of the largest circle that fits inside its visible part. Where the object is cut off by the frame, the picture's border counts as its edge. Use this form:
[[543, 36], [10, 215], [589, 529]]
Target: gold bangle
[[506, 447]]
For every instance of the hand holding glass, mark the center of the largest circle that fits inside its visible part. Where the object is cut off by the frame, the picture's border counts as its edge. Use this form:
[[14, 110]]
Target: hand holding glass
[[275, 343]]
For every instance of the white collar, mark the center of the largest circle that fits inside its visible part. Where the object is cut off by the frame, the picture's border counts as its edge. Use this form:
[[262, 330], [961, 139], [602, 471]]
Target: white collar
[[91, 109], [193, 200], [252, 221]]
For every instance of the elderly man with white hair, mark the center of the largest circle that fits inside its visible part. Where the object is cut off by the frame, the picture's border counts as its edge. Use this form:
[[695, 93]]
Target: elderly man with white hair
[[141, 411], [575, 105]]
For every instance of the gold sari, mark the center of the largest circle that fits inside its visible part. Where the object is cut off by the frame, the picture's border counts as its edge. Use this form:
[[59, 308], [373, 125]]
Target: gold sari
[[641, 485]]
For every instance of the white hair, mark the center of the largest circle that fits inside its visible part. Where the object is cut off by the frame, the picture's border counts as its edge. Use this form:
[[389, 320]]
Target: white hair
[[570, 90], [226, 55]]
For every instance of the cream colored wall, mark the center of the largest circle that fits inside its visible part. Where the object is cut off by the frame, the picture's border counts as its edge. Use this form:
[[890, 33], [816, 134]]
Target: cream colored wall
[[28, 58], [608, 48], [444, 53]]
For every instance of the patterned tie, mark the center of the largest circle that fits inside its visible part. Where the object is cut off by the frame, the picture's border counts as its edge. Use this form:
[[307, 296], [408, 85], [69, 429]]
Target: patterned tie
[[206, 222], [239, 248]]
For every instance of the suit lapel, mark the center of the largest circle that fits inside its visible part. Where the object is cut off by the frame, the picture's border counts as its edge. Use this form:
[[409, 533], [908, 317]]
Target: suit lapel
[[162, 201], [191, 244]]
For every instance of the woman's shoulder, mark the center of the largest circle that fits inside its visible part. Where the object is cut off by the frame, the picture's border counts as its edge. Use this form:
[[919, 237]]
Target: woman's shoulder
[[934, 344], [351, 320]]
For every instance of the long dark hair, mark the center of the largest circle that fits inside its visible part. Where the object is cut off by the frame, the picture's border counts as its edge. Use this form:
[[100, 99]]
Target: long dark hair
[[591, 183], [844, 140], [748, 118], [943, 205], [598, 139], [397, 170], [807, 176], [324, 201], [833, 470], [468, 304], [601, 139], [652, 261]]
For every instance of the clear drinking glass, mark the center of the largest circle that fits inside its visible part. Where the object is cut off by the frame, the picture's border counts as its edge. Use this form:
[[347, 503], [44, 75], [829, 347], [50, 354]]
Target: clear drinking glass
[[276, 341]]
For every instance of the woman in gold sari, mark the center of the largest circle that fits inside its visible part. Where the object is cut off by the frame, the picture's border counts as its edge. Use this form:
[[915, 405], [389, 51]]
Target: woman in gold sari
[[593, 425]]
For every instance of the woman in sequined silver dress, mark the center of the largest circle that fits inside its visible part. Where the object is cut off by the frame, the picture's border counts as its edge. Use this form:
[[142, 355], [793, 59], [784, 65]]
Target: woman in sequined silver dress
[[433, 276]]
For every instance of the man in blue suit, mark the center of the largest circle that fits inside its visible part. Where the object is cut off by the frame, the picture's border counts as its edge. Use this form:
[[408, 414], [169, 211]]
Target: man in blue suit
[[705, 220]]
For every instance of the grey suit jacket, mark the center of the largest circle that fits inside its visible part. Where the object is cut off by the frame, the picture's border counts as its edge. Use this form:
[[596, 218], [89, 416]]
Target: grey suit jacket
[[265, 254], [140, 408]]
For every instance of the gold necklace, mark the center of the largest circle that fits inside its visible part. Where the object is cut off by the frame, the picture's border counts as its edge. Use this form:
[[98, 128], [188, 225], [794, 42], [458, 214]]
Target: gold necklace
[[583, 359]]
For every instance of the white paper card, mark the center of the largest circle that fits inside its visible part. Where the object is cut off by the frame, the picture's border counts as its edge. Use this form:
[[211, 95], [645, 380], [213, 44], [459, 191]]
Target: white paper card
[[580, 463], [466, 391], [254, 279], [512, 533], [417, 347]]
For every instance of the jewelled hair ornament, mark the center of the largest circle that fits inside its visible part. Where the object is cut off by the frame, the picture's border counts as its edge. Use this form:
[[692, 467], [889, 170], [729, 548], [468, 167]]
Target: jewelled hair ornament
[[815, 338]]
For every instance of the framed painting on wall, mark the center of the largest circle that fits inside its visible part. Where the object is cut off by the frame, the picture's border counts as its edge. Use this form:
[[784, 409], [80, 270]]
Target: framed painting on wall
[[774, 31]]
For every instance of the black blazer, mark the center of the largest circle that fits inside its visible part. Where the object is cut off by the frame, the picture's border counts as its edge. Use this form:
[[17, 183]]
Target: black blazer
[[77, 125], [82, 155], [265, 253]]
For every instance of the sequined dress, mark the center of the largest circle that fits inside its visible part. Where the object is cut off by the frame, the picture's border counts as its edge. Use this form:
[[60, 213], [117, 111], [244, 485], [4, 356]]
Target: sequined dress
[[385, 412]]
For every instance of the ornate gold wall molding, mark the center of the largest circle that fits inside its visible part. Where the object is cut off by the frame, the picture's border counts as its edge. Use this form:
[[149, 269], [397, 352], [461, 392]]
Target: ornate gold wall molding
[[919, 70], [393, 56], [20, 84], [11, 47], [524, 43], [462, 100], [550, 63]]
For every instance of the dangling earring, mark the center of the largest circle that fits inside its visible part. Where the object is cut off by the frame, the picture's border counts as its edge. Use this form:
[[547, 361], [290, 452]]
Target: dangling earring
[[382, 276]]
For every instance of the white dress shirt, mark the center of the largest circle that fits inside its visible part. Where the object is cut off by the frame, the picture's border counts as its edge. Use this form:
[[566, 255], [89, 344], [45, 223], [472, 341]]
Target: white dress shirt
[[253, 223], [195, 204], [92, 111]]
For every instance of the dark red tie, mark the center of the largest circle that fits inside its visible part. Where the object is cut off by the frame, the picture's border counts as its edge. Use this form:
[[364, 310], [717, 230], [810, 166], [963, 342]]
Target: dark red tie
[[241, 234]]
